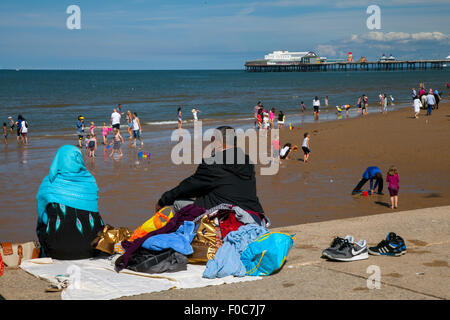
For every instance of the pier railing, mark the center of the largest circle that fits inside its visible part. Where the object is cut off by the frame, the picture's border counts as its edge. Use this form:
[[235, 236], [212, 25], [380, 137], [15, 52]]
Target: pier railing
[[263, 66]]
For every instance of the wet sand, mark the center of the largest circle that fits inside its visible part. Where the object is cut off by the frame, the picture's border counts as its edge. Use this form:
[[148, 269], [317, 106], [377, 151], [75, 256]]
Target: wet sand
[[300, 193]]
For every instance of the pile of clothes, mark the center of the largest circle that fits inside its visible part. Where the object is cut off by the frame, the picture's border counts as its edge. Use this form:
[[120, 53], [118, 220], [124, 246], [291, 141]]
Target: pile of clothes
[[228, 239]]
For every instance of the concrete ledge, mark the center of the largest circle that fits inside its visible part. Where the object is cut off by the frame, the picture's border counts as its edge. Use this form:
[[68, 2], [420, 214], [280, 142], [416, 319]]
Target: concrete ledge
[[422, 273]]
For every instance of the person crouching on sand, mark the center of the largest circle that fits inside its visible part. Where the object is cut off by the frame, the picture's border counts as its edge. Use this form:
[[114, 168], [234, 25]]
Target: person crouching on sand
[[371, 173], [117, 143], [393, 187], [306, 147]]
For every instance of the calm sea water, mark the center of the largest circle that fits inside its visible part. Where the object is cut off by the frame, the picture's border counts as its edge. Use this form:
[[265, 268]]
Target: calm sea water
[[52, 100]]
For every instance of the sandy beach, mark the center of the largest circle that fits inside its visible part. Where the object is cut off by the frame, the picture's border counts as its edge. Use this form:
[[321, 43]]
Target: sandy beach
[[300, 193]]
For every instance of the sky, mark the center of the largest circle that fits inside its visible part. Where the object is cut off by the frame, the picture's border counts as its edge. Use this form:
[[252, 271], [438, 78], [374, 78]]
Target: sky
[[213, 34]]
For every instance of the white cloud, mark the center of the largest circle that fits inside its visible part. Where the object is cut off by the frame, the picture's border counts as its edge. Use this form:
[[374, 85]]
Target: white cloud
[[399, 36], [327, 50]]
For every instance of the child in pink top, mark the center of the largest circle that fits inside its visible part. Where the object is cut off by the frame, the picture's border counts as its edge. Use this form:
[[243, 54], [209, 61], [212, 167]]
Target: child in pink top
[[393, 187], [276, 144], [271, 117]]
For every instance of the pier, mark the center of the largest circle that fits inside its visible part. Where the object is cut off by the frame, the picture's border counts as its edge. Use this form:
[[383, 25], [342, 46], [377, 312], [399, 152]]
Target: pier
[[263, 66]]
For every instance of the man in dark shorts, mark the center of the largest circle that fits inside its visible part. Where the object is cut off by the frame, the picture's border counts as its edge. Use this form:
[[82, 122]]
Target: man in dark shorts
[[115, 119]]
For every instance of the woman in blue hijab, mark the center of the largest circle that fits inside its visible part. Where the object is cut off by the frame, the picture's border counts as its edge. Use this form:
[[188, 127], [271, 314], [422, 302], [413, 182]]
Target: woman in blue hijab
[[68, 218]]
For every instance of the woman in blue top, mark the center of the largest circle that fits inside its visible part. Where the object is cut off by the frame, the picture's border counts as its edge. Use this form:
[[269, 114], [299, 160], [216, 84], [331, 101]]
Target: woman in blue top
[[68, 217], [371, 173]]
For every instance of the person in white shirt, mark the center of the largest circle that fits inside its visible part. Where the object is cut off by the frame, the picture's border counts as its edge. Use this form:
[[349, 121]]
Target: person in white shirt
[[305, 147], [24, 131], [115, 119], [137, 129], [195, 113], [316, 106], [417, 106]]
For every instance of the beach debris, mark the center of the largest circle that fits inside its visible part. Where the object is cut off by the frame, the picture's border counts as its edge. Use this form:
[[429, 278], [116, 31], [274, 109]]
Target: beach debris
[[420, 273], [144, 155]]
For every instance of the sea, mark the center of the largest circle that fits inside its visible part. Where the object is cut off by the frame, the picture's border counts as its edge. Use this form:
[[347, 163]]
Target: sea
[[51, 100]]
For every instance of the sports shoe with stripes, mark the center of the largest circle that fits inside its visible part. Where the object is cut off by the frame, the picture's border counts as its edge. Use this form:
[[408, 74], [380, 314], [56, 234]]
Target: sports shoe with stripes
[[393, 245]]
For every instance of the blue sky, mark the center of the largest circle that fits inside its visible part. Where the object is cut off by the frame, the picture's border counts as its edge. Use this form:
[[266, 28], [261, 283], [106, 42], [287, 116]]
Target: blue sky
[[213, 34]]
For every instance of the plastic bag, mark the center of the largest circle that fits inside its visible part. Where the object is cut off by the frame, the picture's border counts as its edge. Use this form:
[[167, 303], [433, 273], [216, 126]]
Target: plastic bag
[[267, 254], [158, 221]]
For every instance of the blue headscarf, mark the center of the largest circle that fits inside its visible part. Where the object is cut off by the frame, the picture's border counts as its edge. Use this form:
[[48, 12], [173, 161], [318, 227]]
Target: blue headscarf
[[68, 183]]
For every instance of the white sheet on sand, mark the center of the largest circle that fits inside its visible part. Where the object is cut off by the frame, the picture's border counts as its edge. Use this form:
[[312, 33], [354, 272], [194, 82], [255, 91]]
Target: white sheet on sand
[[96, 279]]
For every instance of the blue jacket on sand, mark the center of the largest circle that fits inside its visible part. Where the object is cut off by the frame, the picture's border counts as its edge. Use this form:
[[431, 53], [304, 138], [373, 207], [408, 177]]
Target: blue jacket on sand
[[180, 240], [227, 260]]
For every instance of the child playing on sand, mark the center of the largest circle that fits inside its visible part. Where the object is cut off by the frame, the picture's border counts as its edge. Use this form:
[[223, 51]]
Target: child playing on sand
[[117, 142], [105, 133], [393, 180], [86, 143], [92, 144], [276, 148], [306, 147], [5, 132]]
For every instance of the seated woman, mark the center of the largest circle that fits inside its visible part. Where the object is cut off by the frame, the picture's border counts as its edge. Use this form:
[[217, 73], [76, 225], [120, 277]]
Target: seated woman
[[68, 218]]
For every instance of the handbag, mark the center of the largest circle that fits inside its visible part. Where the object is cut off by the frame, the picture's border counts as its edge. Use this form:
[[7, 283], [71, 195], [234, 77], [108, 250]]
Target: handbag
[[206, 241], [109, 237], [150, 261], [14, 253]]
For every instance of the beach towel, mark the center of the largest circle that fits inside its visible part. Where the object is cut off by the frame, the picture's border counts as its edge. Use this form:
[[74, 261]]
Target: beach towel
[[68, 183], [96, 279], [227, 260]]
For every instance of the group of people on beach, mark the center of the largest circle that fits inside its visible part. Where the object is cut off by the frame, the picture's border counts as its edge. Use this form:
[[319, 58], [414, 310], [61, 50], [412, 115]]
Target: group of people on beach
[[422, 99], [90, 143], [21, 126], [264, 118]]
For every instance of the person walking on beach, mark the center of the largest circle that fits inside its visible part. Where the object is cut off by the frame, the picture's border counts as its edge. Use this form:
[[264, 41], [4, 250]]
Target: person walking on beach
[[417, 106], [316, 106], [5, 133], [105, 134], [115, 119], [359, 104], [18, 127], [431, 101], [117, 143], [385, 103], [413, 93], [306, 147], [256, 111], [179, 119], [12, 125], [129, 119], [303, 106], [92, 129], [259, 119], [281, 118], [326, 101], [92, 145], [276, 145], [195, 114], [24, 131], [393, 187], [137, 130], [437, 97], [365, 104], [80, 130], [271, 117]]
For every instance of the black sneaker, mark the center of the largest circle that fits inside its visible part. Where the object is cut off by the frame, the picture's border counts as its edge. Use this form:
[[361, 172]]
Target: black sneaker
[[336, 243], [393, 245], [349, 251]]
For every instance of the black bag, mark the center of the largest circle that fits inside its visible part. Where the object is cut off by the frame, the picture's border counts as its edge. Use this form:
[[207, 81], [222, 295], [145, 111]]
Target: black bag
[[149, 261]]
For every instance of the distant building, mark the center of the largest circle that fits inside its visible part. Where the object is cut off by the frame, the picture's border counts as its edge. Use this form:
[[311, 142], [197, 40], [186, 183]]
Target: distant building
[[306, 57], [349, 57]]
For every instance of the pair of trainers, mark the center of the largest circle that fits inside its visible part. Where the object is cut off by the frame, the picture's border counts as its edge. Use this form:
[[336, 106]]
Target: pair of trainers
[[346, 249]]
